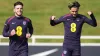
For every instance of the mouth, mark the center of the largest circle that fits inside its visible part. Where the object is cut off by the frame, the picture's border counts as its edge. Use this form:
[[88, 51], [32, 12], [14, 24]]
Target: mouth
[[19, 12]]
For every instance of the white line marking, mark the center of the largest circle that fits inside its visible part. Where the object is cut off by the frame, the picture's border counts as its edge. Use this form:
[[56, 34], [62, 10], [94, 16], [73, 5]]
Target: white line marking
[[34, 37], [53, 44], [45, 53]]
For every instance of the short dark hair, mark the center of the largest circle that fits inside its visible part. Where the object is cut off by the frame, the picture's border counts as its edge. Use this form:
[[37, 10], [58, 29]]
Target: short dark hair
[[74, 4], [18, 3]]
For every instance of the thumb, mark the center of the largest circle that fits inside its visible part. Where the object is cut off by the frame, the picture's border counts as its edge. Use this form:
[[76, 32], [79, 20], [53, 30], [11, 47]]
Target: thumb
[[13, 30]]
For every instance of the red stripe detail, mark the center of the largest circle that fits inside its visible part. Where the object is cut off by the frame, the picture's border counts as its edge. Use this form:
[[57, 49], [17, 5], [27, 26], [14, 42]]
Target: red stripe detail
[[67, 15], [62, 54], [10, 19], [27, 19]]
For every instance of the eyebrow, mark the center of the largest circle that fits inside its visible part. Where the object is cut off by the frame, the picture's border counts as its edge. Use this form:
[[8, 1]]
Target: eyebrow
[[74, 11]]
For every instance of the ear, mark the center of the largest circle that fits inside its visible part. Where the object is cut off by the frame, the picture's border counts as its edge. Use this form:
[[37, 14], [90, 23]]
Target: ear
[[14, 9], [70, 10]]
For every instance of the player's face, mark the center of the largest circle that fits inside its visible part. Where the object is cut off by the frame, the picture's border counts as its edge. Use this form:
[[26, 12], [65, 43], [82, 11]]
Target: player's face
[[18, 9], [74, 11]]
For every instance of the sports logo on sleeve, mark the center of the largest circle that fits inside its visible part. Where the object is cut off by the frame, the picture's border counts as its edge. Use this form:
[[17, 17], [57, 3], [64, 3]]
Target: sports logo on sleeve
[[13, 23], [19, 30], [64, 52]]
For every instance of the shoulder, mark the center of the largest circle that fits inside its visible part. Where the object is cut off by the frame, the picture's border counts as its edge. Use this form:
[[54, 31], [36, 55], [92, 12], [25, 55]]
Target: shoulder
[[27, 19], [10, 18], [82, 16], [67, 15]]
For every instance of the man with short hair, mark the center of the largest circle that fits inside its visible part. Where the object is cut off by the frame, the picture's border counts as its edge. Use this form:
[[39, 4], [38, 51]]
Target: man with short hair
[[18, 28], [73, 23]]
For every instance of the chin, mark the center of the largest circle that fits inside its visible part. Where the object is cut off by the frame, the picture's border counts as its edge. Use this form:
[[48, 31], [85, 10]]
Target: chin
[[75, 15], [19, 14]]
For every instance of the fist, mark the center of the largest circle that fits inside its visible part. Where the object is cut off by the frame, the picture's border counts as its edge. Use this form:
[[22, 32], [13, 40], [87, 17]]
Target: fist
[[89, 12], [12, 32], [53, 17], [28, 35]]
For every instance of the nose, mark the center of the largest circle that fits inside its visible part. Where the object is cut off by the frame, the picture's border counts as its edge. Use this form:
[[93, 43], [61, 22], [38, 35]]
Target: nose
[[19, 9]]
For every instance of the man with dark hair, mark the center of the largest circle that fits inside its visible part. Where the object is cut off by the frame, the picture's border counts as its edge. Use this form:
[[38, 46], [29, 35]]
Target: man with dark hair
[[18, 28], [73, 23]]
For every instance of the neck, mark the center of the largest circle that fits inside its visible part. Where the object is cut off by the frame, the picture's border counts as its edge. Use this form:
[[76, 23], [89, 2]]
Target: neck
[[74, 15]]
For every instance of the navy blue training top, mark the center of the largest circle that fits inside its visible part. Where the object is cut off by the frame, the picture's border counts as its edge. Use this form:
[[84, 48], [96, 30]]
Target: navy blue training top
[[22, 25], [73, 27]]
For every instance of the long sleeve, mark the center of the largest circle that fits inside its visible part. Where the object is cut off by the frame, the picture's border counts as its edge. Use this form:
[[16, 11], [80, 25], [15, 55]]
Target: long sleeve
[[30, 27], [57, 21], [6, 32], [91, 21]]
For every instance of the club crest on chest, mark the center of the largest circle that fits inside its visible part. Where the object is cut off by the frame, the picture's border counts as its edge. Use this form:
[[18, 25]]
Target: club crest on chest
[[24, 22], [77, 19]]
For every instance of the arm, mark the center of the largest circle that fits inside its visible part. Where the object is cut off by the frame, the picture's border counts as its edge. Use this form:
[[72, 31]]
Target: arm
[[30, 27], [6, 32], [57, 21], [91, 21]]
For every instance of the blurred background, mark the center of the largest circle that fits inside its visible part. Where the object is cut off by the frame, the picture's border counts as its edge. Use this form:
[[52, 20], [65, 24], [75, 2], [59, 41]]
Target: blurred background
[[40, 11]]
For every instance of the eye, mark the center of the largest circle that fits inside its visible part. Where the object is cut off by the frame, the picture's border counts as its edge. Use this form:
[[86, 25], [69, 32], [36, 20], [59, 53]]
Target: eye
[[74, 11], [21, 8], [17, 8]]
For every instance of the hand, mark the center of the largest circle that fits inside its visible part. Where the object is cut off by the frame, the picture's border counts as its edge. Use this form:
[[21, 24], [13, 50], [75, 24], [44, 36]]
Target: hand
[[12, 32], [53, 17], [89, 12], [28, 35]]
